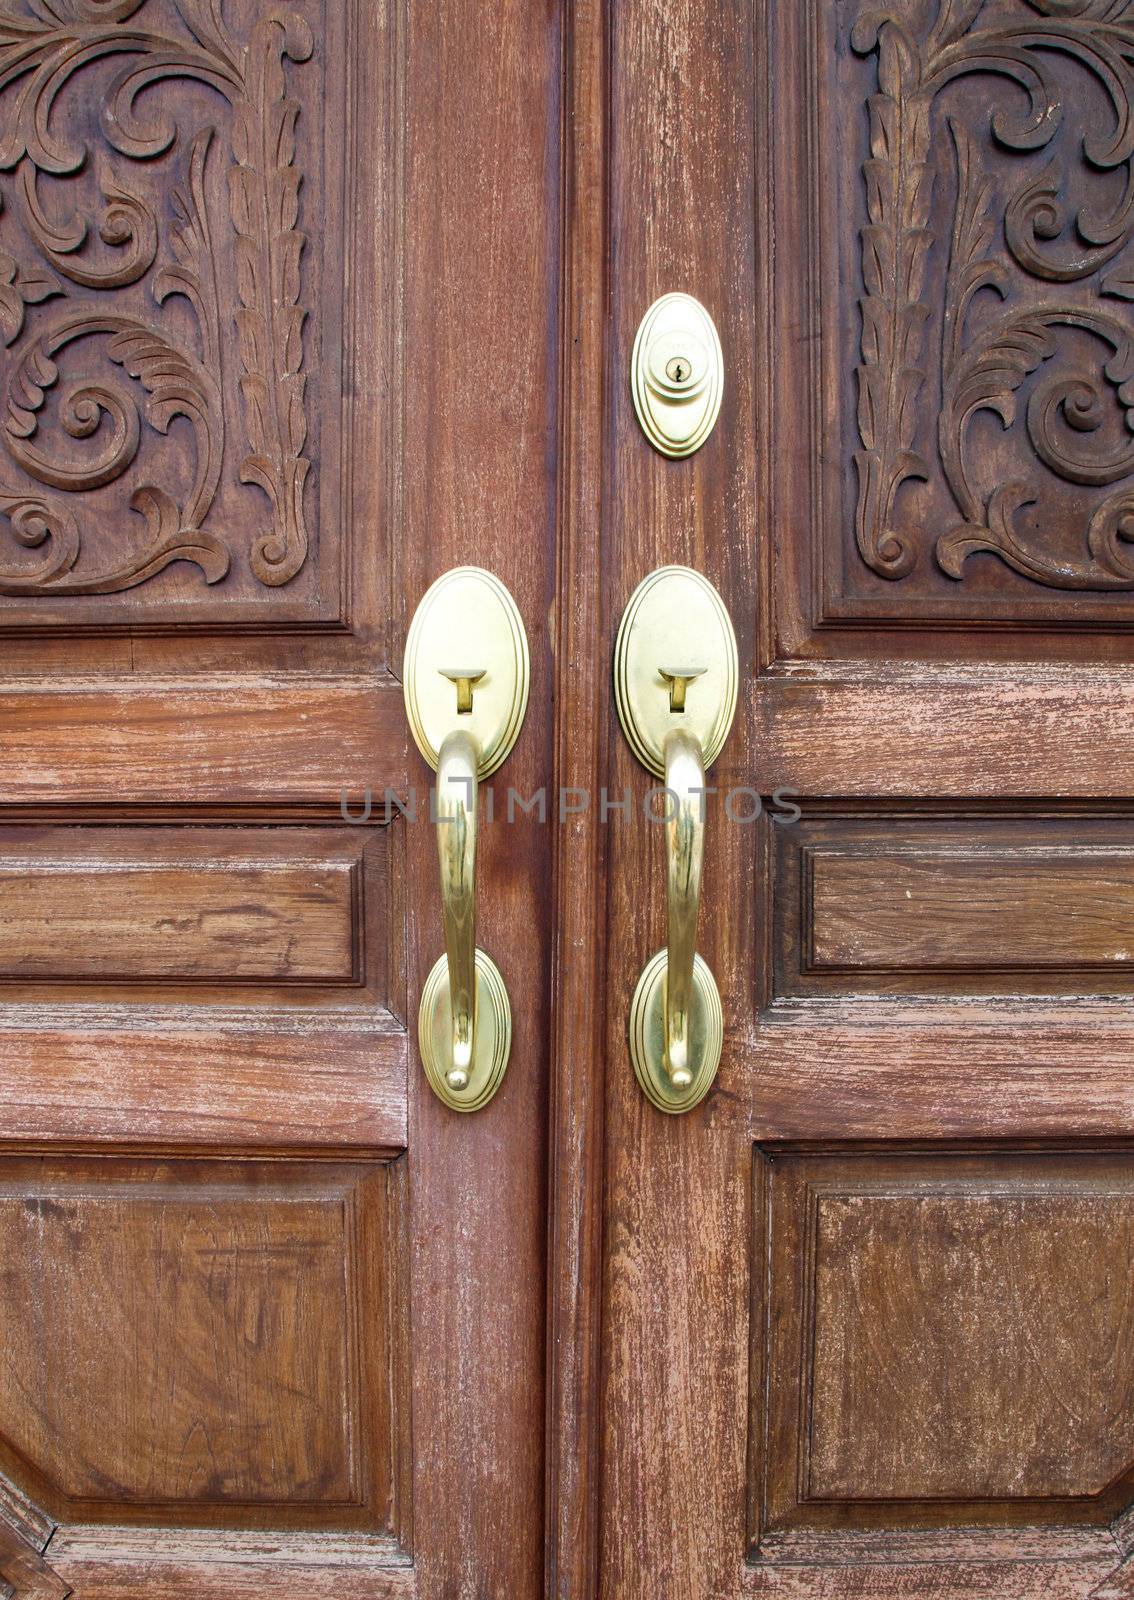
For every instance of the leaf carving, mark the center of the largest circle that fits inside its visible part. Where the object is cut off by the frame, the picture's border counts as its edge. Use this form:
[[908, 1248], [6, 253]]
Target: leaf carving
[[127, 223], [899, 183], [987, 377], [195, 275], [18, 289], [264, 200]]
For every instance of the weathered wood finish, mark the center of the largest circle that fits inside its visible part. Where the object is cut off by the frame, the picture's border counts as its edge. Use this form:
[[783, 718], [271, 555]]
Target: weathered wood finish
[[239, 1322], [268, 909], [281, 745], [481, 334], [884, 1272], [348, 300], [682, 127], [148, 1074], [148, 918], [953, 900], [1069, 916], [278, 295], [583, 731], [922, 980]]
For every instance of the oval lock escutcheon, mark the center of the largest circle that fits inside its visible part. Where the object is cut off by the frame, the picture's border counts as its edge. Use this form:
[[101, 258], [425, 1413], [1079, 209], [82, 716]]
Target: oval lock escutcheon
[[677, 374]]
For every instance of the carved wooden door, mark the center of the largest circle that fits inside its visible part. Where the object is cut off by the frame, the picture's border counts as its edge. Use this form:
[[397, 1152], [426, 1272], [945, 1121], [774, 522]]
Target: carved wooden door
[[271, 1318], [302, 306], [867, 1324]]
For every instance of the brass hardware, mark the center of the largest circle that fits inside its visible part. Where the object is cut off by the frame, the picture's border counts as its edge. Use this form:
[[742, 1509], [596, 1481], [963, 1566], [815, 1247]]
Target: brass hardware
[[677, 375], [493, 1036], [674, 615], [676, 1020], [456, 853], [466, 682], [647, 1036], [684, 856], [464, 1021], [467, 616], [678, 679]]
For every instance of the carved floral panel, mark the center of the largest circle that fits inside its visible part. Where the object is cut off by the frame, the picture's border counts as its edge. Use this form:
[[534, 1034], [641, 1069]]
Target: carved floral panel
[[172, 253], [979, 249]]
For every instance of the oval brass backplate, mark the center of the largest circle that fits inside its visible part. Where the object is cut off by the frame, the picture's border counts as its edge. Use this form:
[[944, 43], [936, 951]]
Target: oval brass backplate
[[493, 1034], [467, 623], [647, 1036], [675, 621], [677, 375]]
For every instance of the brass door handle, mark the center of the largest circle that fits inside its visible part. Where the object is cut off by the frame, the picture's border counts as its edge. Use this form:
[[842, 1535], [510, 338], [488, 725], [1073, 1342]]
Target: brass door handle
[[676, 719], [456, 849], [685, 854], [464, 720]]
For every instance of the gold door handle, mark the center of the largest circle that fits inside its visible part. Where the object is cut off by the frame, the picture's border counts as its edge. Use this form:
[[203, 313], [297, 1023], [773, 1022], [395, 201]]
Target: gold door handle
[[456, 807], [464, 721], [685, 854], [676, 719]]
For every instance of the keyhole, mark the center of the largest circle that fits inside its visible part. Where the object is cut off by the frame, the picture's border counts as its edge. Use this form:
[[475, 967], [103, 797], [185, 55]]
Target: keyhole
[[677, 369]]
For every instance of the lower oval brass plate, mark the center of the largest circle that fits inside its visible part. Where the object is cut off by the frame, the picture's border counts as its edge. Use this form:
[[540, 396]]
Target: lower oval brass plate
[[493, 1034], [647, 1036]]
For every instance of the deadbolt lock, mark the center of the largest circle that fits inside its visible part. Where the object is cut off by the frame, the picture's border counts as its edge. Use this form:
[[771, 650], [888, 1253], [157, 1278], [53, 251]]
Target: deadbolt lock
[[677, 375]]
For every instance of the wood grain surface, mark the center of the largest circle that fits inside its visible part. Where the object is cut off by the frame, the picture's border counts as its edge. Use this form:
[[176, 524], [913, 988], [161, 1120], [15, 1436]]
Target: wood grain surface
[[300, 309], [236, 1320], [583, 731], [927, 968], [279, 303], [992, 898]]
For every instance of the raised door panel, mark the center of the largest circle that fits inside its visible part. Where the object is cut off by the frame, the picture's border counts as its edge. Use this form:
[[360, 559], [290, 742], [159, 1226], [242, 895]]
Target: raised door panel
[[258, 914], [953, 900], [949, 1340], [240, 1324]]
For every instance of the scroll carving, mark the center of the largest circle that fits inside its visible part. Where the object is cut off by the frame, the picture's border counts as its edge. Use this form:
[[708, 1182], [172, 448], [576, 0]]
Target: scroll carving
[[148, 371], [1059, 264]]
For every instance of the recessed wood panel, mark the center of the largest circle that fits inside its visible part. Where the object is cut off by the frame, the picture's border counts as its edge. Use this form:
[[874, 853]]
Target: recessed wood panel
[[908, 901], [949, 1338], [273, 913], [213, 1343], [946, 911], [969, 1304], [293, 922]]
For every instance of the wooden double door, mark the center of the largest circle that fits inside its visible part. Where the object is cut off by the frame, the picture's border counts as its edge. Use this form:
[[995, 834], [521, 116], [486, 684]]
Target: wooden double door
[[304, 305]]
